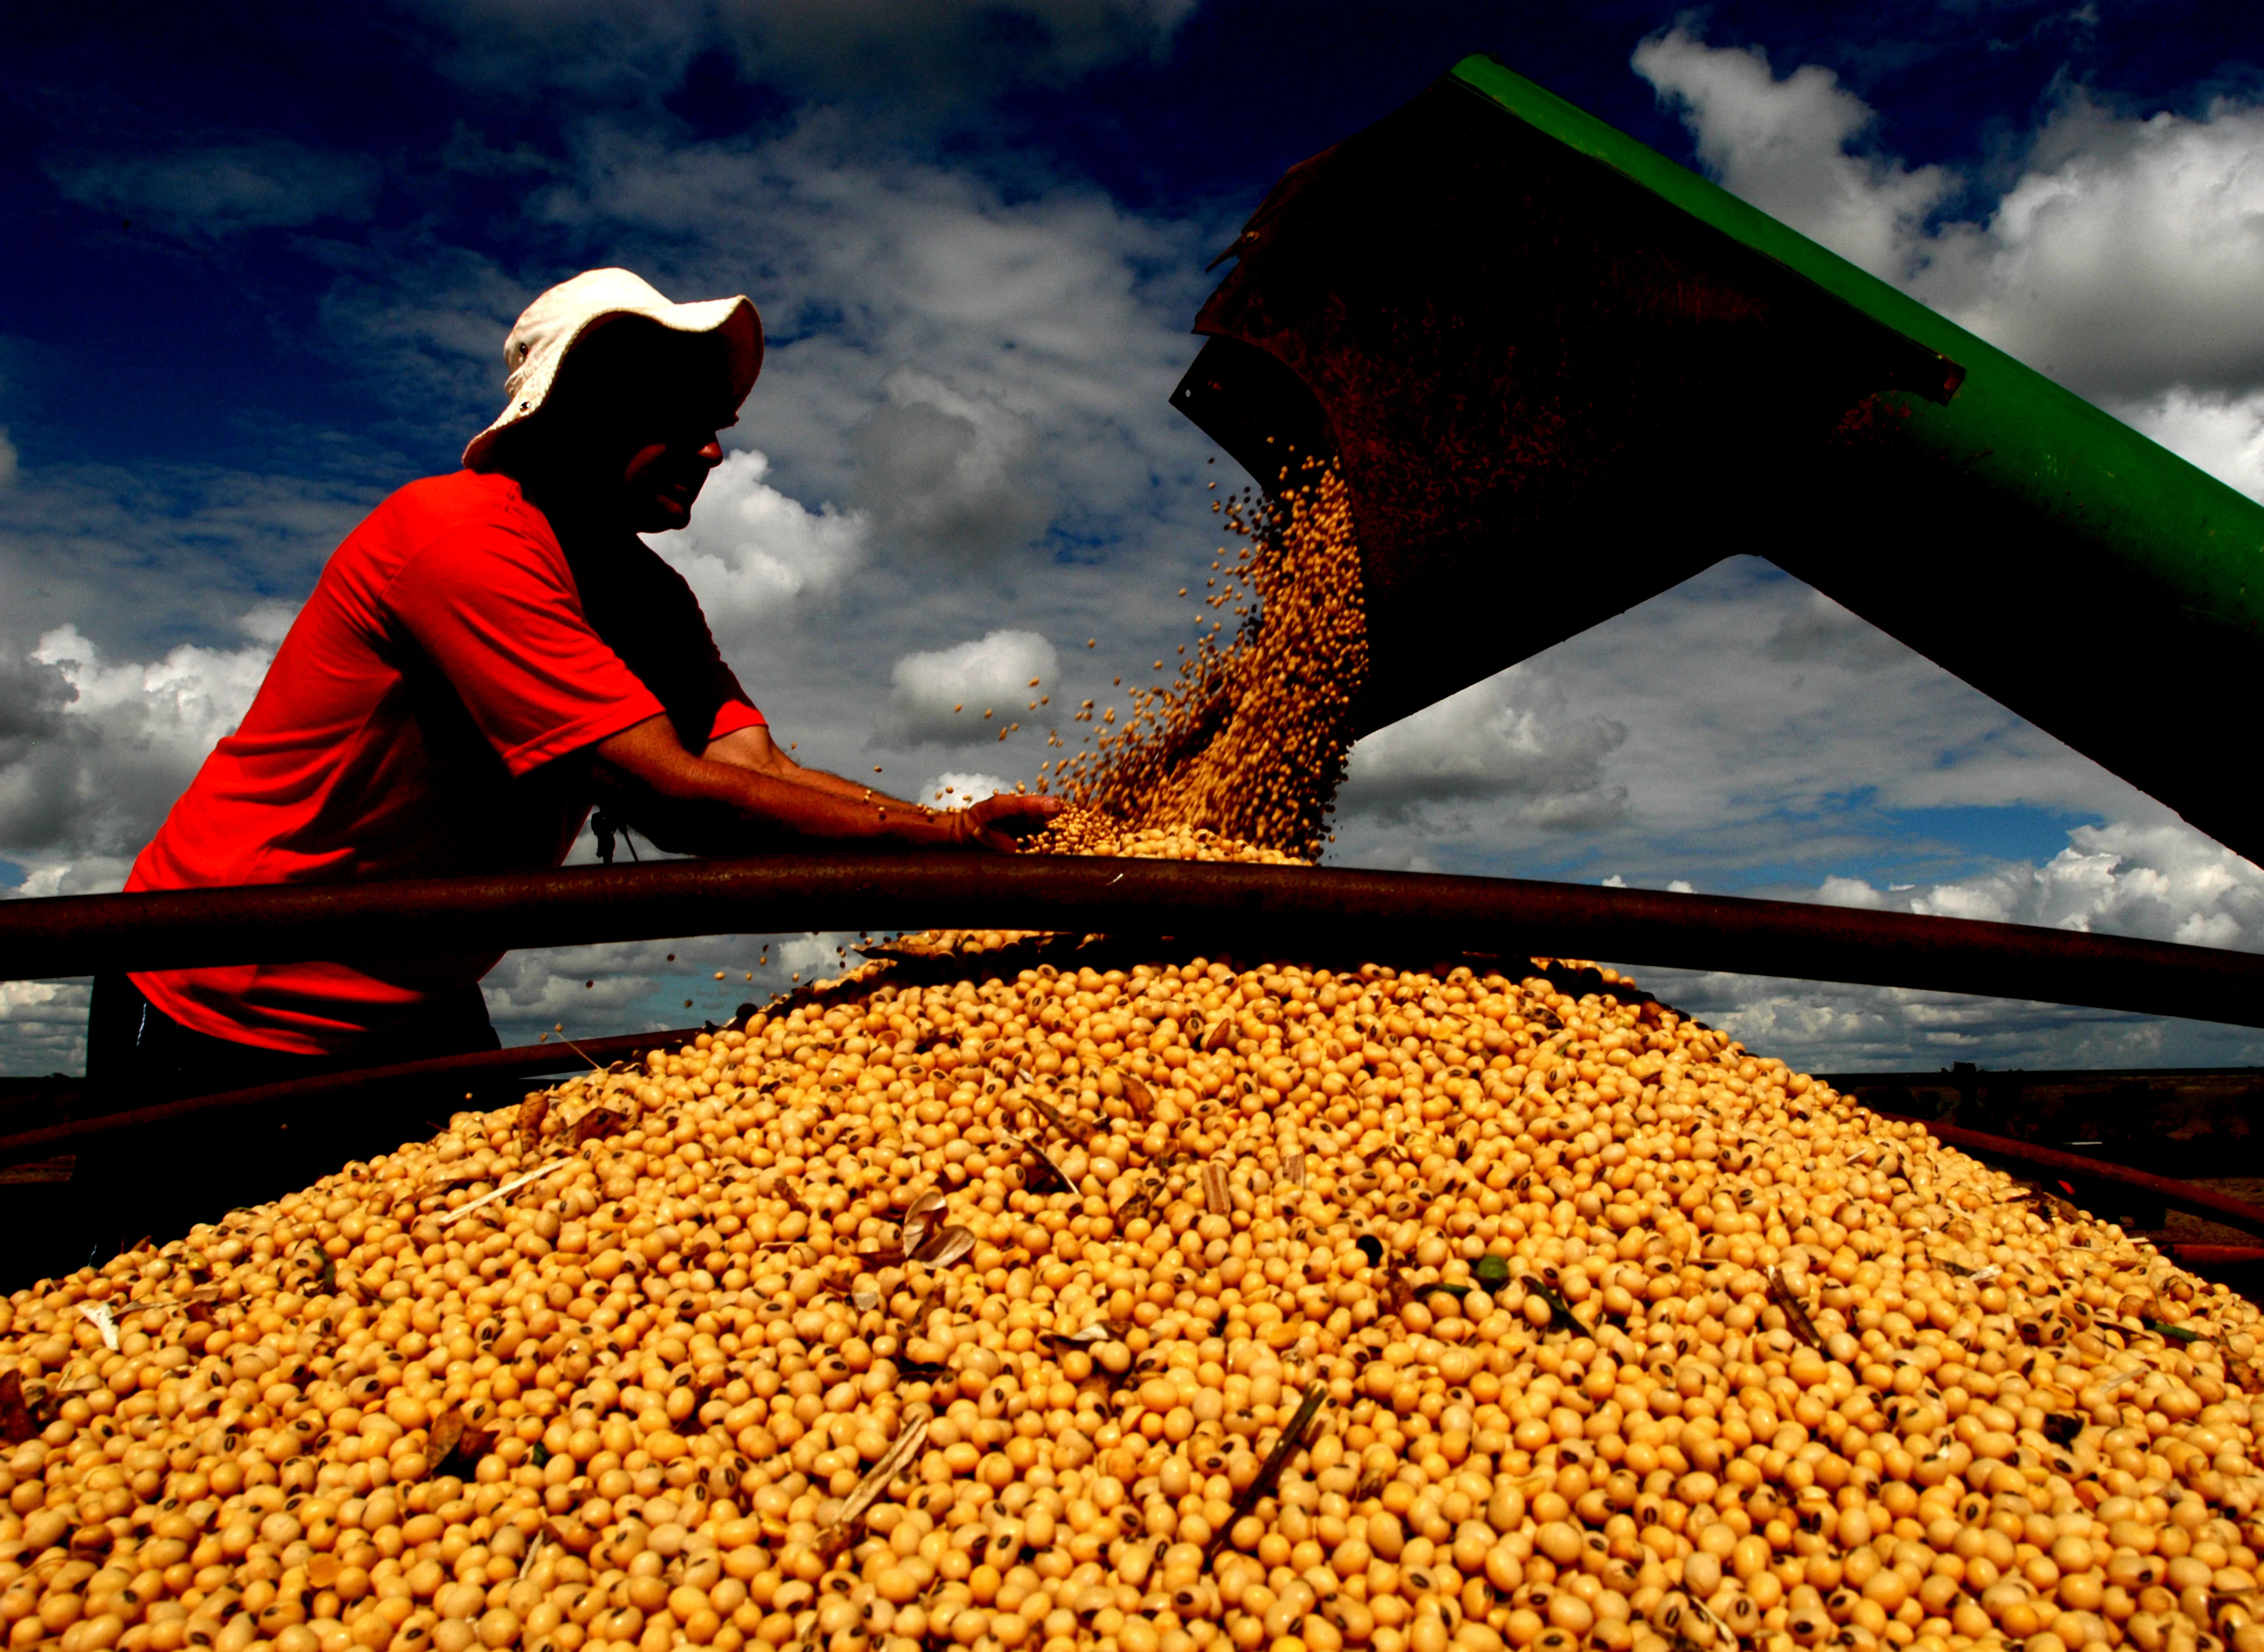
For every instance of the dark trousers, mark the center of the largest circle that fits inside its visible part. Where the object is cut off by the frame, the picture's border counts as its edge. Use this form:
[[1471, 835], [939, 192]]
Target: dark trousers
[[156, 1181]]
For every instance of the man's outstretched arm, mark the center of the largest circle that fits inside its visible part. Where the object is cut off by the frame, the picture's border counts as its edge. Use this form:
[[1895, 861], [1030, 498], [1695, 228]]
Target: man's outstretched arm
[[753, 748], [697, 805]]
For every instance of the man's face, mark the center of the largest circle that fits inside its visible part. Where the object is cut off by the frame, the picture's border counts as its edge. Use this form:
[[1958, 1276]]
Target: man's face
[[640, 422], [662, 476]]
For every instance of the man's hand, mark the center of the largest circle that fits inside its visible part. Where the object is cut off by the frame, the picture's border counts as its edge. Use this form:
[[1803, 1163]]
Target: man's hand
[[744, 796], [1001, 820]]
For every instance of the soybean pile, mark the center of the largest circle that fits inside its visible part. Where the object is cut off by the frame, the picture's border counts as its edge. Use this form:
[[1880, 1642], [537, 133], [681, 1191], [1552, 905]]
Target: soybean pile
[[1146, 1310], [1248, 741]]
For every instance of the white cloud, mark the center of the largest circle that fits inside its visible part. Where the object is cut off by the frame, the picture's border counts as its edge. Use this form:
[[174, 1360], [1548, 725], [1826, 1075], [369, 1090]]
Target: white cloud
[[946, 473], [942, 696], [953, 790], [756, 557], [43, 1025], [269, 622], [2158, 881], [1855, 892], [2224, 434], [17, 997], [1511, 741], [2161, 881], [106, 747], [140, 558], [2164, 881], [2128, 256], [2124, 260], [1761, 725], [214, 191], [1829, 1026], [1792, 146], [179, 706]]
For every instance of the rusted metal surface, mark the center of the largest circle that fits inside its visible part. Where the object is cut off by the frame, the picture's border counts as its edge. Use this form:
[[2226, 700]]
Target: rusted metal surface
[[2201, 1255], [359, 1085], [2202, 1201], [1526, 366], [2192, 1123], [1282, 911], [1561, 374]]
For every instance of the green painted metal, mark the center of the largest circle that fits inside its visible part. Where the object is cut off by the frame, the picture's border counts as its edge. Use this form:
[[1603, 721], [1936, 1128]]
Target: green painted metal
[[2008, 426]]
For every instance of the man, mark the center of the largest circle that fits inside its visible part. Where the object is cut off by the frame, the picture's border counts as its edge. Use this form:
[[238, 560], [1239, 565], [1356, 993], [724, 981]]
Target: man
[[485, 656]]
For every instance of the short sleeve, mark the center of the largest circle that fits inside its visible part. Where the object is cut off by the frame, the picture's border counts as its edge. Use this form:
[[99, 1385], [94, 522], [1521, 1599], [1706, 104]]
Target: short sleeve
[[497, 612], [733, 716]]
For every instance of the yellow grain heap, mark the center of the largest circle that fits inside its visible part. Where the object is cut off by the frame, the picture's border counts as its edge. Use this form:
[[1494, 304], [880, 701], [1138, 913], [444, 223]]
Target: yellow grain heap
[[1084, 831], [973, 1315], [1078, 831], [1249, 741]]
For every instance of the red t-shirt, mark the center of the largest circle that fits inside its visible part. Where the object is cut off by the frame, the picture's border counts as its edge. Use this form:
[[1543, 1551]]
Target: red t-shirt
[[444, 660]]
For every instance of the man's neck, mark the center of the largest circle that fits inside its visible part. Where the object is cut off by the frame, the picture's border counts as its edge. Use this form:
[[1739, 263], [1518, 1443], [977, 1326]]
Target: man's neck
[[575, 512]]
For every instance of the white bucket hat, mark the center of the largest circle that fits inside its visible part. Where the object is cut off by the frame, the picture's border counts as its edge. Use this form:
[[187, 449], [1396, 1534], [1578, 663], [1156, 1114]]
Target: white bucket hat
[[551, 326]]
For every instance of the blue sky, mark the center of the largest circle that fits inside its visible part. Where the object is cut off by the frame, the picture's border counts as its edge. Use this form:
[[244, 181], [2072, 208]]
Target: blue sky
[[261, 259]]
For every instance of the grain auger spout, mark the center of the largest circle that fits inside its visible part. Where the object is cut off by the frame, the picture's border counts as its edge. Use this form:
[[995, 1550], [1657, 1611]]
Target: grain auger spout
[[1562, 374]]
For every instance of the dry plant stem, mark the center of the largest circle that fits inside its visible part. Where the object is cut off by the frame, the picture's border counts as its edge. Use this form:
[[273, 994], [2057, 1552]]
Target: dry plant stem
[[1269, 1473], [504, 1192]]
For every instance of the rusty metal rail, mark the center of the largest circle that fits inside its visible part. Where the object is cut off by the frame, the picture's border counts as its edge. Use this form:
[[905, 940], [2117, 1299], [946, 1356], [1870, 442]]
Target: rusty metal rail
[[355, 1084], [2204, 1256], [2201, 1201], [1283, 910]]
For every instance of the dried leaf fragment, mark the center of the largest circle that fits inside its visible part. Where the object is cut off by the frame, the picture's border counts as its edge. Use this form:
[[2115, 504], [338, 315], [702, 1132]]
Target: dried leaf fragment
[[1558, 1308], [1043, 1175], [97, 1315], [440, 1443], [926, 1212], [946, 1246], [1069, 1128], [595, 1125], [453, 1443], [1099, 1331], [1795, 1312], [1220, 1034], [1216, 1198], [1137, 1094], [1061, 1125], [571, 1534], [533, 1113]]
